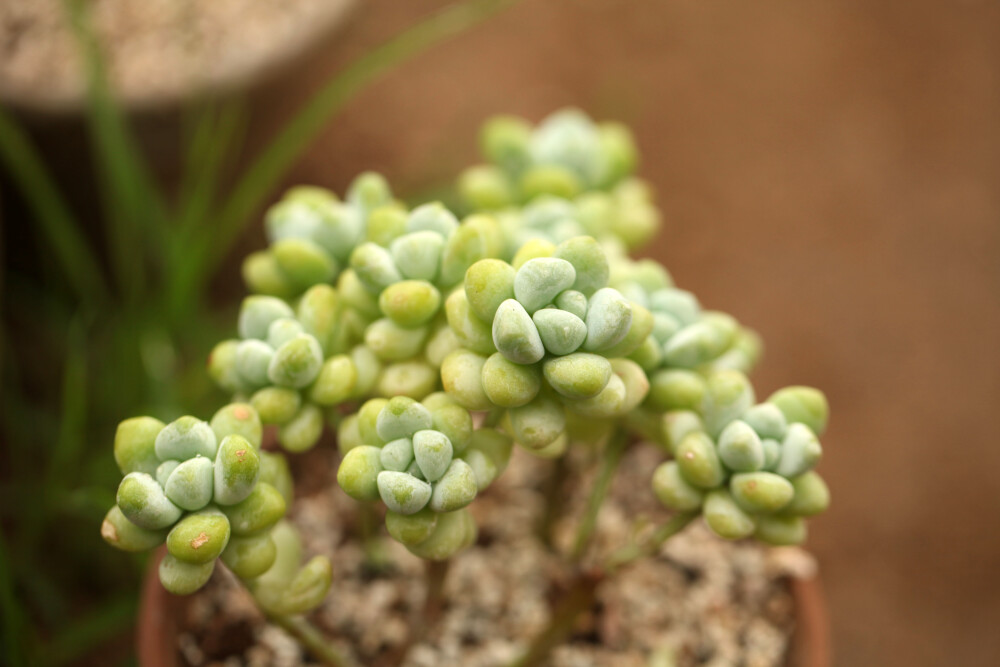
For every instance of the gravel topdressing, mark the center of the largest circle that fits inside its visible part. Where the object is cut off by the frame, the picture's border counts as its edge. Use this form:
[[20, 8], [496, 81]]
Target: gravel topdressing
[[701, 601]]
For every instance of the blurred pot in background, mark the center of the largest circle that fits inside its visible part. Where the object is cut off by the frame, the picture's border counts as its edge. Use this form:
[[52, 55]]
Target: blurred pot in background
[[160, 53]]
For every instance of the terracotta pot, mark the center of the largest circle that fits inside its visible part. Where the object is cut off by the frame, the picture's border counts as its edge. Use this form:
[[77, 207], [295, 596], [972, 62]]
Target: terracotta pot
[[156, 632], [811, 646]]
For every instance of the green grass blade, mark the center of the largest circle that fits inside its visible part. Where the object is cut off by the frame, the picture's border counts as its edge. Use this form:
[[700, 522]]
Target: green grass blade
[[211, 143], [133, 204], [13, 623], [92, 629], [197, 127], [72, 425], [57, 223], [216, 133]]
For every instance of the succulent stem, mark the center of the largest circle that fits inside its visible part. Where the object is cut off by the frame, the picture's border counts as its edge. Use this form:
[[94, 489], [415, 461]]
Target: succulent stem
[[609, 464], [376, 558], [493, 418], [633, 552], [583, 590], [580, 597], [434, 603], [553, 500], [311, 639], [423, 626]]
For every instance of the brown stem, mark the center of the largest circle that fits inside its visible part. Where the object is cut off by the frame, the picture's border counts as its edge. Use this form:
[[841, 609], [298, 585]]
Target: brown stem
[[426, 624], [580, 597], [434, 603], [583, 591], [310, 638], [554, 501]]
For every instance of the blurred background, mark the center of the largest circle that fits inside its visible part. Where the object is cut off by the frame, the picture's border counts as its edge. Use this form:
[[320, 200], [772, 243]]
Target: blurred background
[[829, 173]]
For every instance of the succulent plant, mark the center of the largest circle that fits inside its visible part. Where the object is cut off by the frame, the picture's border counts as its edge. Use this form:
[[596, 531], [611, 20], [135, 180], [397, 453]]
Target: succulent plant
[[289, 365], [566, 154], [428, 247], [571, 176], [288, 586], [434, 344], [683, 337], [542, 334], [397, 287], [426, 463], [206, 489], [312, 233], [748, 468]]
